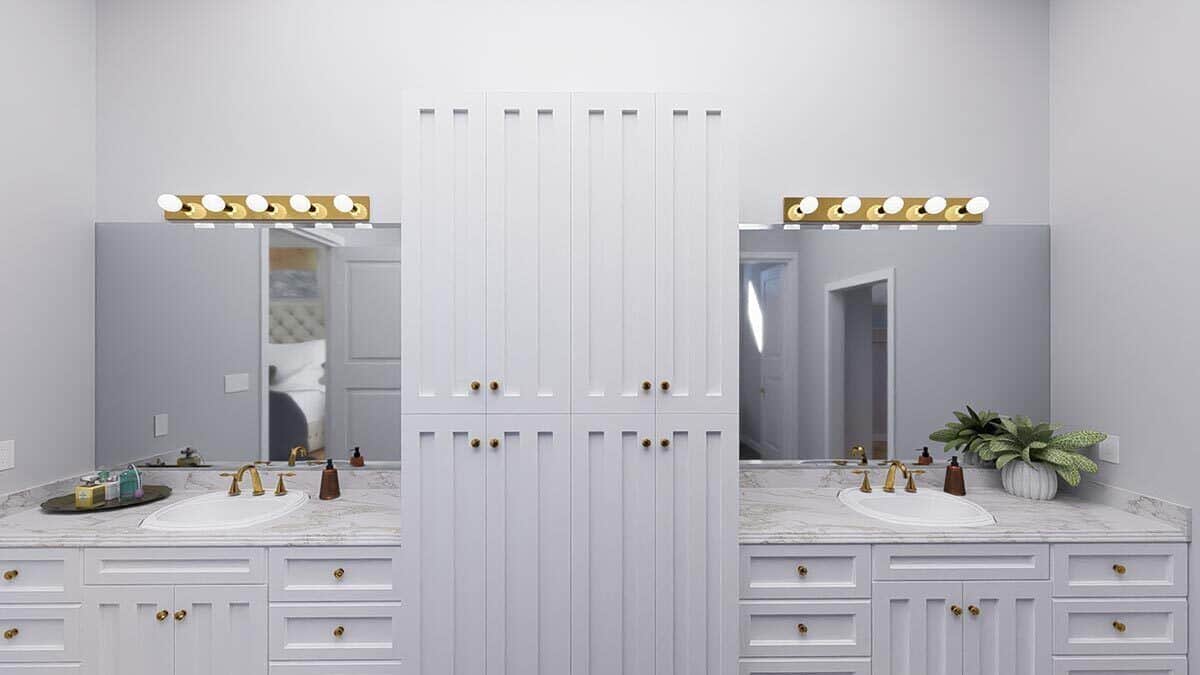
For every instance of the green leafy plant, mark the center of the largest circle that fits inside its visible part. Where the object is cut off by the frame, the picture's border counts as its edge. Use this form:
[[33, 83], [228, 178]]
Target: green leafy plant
[[1019, 438], [968, 432]]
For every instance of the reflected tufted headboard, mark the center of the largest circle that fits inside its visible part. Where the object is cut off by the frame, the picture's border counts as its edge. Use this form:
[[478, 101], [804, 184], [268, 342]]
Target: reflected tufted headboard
[[296, 321]]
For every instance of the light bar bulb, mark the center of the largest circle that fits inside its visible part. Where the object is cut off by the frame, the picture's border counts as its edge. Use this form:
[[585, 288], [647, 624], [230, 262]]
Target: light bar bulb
[[851, 205], [300, 203], [935, 205], [213, 203], [808, 205], [977, 205], [257, 203], [170, 203], [343, 203], [893, 205]]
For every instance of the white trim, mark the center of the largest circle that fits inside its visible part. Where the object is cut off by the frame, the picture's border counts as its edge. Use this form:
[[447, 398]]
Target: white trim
[[264, 336]]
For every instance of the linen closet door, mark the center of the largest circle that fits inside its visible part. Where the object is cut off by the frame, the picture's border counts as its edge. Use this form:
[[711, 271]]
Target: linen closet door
[[696, 193], [528, 253], [445, 519], [612, 253], [442, 247]]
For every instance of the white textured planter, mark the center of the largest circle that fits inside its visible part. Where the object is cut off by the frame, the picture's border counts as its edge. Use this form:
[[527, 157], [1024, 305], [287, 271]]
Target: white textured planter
[[1038, 481]]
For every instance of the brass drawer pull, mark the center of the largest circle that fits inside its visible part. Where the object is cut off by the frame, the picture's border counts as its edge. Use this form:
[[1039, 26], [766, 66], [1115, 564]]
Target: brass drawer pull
[[494, 442], [1119, 627], [162, 615], [339, 573], [475, 385], [339, 631], [11, 633], [494, 385], [666, 442], [181, 615], [646, 443], [956, 610], [11, 574], [665, 385], [802, 570], [973, 610], [646, 385], [475, 442], [1119, 568]]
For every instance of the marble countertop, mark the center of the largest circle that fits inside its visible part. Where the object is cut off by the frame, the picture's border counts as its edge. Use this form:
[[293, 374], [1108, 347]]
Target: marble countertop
[[790, 506]]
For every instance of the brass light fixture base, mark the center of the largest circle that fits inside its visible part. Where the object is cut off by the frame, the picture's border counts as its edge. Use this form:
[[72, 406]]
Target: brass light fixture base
[[279, 209], [872, 210]]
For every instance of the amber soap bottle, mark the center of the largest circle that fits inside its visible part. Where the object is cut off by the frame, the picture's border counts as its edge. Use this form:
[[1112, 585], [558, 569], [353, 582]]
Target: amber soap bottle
[[329, 482], [955, 484]]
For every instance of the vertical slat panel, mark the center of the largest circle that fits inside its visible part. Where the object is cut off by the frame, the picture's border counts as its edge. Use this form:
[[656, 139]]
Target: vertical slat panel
[[638, 540], [913, 631], [608, 551], [528, 252], [555, 451], [121, 633], [612, 243], [1011, 633], [223, 631], [442, 245]]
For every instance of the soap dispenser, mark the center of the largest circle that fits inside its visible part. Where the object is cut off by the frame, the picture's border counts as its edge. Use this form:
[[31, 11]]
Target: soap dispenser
[[356, 458], [925, 457], [955, 484], [329, 482]]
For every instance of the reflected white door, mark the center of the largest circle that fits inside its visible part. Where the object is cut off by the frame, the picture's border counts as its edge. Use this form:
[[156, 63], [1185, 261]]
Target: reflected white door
[[773, 387]]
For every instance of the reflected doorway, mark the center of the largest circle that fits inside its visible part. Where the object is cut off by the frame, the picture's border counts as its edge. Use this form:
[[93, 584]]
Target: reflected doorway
[[769, 357], [859, 355]]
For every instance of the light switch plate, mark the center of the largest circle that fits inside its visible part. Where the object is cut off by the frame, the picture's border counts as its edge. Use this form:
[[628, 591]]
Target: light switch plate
[[1110, 450], [235, 382], [8, 455], [160, 425]]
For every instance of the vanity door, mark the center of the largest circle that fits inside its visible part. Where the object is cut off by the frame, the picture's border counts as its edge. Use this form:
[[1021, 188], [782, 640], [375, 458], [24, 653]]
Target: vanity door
[[1007, 628], [917, 628], [129, 630], [220, 629]]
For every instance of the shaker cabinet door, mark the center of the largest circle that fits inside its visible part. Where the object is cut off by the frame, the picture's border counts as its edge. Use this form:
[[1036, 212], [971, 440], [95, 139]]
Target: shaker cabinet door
[[1007, 628], [915, 629], [223, 631], [129, 629], [442, 244]]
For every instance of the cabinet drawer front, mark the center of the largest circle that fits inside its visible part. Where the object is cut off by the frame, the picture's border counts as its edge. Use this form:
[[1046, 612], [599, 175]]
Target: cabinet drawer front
[[1113, 665], [804, 571], [1107, 570], [39, 633], [338, 668], [1095, 626], [39, 575], [804, 667], [41, 668], [190, 566], [967, 562], [335, 574], [309, 631], [806, 628]]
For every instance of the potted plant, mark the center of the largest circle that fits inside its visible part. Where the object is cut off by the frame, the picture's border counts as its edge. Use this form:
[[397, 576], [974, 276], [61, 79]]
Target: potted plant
[[966, 435], [1042, 455]]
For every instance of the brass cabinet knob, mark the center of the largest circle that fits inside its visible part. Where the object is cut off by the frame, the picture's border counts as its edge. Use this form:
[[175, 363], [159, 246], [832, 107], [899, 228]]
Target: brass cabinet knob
[[1119, 627], [339, 631], [803, 630], [11, 574], [973, 610], [339, 573], [956, 610], [802, 570], [181, 615], [475, 442], [666, 442], [493, 385], [162, 615], [646, 443], [11, 633], [665, 385], [1119, 568], [494, 442], [475, 385], [646, 385]]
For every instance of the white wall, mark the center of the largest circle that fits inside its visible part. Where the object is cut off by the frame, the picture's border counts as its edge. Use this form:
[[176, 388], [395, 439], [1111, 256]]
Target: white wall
[[47, 189], [871, 96], [1124, 163]]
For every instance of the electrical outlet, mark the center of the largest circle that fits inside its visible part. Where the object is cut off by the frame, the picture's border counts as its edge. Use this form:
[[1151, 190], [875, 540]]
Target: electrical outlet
[[8, 455], [160, 425], [1110, 450]]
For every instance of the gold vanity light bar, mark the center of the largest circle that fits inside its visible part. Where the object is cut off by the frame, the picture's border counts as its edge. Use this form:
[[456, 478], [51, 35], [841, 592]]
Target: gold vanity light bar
[[242, 208], [895, 209]]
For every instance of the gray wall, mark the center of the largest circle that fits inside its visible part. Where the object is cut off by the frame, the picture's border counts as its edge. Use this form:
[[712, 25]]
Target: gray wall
[[1125, 160], [176, 310], [47, 188], [972, 320], [871, 96]]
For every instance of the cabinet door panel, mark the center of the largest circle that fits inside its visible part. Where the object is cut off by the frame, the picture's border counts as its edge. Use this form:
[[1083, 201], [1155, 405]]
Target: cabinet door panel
[[442, 244], [225, 630], [528, 544], [1011, 632], [697, 261], [442, 491], [914, 631], [613, 547], [612, 252], [124, 634], [528, 252]]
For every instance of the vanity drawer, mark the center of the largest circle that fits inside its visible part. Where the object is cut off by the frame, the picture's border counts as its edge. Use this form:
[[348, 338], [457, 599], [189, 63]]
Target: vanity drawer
[[41, 668], [1095, 626], [39, 575], [961, 562], [39, 633], [806, 628], [309, 631], [785, 571], [336, 668], [1108, 570], [804, 667], [337, 574], [190, 566], [1112, 665]]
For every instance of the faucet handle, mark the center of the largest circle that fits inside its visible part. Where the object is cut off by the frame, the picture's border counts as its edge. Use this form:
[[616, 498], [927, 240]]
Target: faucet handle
[[234, 488], [911, 485], [280, 488], [866, 484]]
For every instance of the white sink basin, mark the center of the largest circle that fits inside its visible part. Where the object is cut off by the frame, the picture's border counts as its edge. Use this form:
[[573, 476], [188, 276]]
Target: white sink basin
[[926, 508], [219, 511]]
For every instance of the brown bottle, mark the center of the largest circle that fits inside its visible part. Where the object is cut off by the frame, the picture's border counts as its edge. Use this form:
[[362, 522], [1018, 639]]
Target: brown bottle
[[955, 484], [925, 457], [329, 482], [356, 458]]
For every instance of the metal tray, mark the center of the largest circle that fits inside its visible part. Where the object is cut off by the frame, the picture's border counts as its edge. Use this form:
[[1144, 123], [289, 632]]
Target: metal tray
[[66, 503]]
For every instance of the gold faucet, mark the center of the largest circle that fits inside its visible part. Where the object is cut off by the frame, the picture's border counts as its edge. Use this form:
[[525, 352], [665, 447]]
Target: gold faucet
[[298, 451], [860, 452], [255, 480], [889, 483]]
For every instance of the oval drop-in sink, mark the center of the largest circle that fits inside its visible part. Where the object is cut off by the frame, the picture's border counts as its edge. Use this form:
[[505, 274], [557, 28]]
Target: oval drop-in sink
[[219, 511], [925, 508]]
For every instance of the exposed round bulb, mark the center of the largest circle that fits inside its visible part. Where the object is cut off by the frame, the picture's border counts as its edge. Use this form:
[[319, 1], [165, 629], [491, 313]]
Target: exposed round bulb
[[213, 203], [851, 205], [977, 205], [809, 205], [343, 203], [893, 205], [935, 205], [300, 203], [257, 203], [170, 203]]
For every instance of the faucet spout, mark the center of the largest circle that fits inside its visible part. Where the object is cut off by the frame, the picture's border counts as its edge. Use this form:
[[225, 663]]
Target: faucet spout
[[255, 481], [298, 451], [889, 484]]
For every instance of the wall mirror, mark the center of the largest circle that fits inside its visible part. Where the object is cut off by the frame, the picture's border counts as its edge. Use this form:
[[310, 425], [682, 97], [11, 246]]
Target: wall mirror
[[245, 343], [872, 338]]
